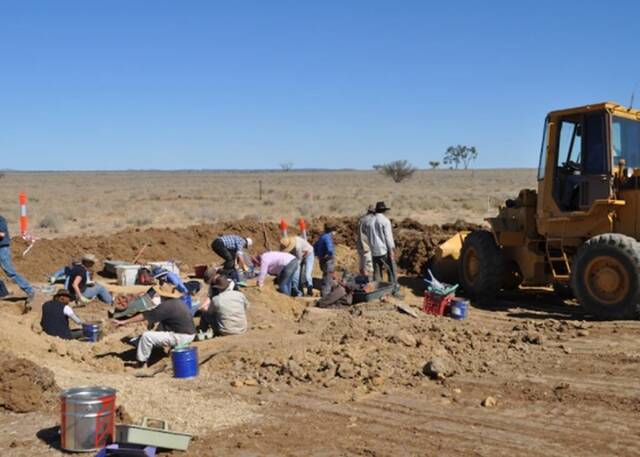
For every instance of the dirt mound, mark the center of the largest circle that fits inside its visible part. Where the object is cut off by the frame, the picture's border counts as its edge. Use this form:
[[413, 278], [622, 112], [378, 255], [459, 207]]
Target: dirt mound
[[24, 386], [191, 245]]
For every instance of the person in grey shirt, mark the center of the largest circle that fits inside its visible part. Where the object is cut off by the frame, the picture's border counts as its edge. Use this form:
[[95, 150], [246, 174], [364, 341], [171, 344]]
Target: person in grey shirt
[[225, 312], [378, 231], [362, 243]]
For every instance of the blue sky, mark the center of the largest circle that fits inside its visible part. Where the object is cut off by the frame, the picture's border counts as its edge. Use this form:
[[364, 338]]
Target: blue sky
[[251, 84]]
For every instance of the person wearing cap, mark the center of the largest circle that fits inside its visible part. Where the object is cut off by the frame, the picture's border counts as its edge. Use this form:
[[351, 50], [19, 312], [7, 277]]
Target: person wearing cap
[[226, 311], [379, 232], [362, 243], [282, 265], [165, 276], [175, 327], [230, 248], [325, 251], [303, 251], [79, 282], [7, 265], [56, 314]]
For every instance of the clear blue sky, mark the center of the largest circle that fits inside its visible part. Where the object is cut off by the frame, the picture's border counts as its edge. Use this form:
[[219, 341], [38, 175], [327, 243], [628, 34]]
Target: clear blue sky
[[251, 84]]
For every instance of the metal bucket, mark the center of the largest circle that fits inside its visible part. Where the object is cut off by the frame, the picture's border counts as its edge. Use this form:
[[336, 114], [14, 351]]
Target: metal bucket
[[185, 362], [87, 418], [92, 331]]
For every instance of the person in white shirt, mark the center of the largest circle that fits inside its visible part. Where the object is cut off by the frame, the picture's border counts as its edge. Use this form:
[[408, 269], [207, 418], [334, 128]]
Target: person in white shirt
[[379, 233]]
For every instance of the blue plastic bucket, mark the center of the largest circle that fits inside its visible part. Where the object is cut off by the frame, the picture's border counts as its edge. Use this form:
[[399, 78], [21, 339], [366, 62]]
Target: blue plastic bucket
[[185, 362], [92, 331], [459, 309]]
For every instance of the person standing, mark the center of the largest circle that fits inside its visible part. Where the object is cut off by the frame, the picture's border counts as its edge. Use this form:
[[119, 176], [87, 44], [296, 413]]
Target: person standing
[[79, 282], [362, 243], [7, 265], [380, 235], [230, 248], [325, 251], [303, 251], [56, 314], [282, 265]]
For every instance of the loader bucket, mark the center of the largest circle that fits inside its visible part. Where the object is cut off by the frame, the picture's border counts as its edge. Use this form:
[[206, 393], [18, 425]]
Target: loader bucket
[[444, 263]]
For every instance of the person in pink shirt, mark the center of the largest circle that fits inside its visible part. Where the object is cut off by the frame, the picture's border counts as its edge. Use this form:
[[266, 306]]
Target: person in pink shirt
[[282, 265]]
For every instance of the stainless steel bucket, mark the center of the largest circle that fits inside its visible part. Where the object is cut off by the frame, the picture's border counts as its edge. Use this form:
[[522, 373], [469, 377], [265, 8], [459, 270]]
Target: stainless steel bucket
[[87, 419]]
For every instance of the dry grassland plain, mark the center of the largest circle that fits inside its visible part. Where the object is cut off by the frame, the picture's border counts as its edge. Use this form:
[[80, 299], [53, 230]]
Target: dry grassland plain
[[73, 203]]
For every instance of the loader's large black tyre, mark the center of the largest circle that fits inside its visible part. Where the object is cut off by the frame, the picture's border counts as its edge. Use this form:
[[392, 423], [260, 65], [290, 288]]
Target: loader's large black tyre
[[481, 267], [606, 276]]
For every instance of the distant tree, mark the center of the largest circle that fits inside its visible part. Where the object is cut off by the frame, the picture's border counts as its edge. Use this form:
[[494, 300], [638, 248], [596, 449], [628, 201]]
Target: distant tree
[[434, 164], [456, 155], [377, 167], [398, 170], [286, 166]]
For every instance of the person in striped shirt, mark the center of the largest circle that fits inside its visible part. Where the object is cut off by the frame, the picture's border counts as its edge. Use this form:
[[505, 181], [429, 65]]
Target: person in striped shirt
[[230, 248]]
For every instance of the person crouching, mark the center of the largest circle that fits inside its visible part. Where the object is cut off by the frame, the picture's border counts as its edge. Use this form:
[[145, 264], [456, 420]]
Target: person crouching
[[56, 314], [175, 327], [282, 265], [225, 312]]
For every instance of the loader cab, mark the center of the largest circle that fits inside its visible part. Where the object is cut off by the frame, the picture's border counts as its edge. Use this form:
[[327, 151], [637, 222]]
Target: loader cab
[[575, 168]]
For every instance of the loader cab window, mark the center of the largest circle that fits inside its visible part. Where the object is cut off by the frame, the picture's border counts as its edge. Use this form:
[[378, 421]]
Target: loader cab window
[[582, 170], [543, 151], [625, 139]]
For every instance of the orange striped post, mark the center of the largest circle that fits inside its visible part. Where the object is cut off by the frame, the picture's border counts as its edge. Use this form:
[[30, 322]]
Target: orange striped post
[[283, 227], [24, 220], [303, 228]]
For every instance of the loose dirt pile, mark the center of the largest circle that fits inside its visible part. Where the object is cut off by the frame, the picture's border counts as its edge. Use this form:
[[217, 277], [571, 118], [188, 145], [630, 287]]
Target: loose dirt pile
[[24, 386], [191, 245]]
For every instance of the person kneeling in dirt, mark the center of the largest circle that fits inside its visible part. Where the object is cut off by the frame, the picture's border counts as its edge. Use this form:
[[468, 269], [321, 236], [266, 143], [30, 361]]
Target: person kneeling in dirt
[[175, 327], [79, 282], [225, 313], [56, 314], [230, 248], [165, 276], [282, 265]]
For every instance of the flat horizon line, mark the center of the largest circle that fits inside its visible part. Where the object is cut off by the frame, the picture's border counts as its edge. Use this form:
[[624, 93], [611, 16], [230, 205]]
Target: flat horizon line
[[241, 170]]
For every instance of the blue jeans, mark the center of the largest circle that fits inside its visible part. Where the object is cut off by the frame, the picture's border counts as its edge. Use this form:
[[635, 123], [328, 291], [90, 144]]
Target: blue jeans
[[307, 263], [98, 291], [10, 271], [289, 277]]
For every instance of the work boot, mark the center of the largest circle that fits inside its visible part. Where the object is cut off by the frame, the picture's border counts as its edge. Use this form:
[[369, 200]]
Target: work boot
[[309, 291], [28, 302]]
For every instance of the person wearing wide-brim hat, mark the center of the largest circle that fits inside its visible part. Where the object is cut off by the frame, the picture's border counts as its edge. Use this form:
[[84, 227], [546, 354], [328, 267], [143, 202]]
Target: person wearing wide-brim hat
[[80, 285], [225, 313], [303, 251], [379, 233], [165, 276], [56, 314]]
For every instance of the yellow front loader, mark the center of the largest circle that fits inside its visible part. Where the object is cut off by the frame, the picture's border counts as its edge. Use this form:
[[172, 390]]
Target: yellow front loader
[[578, 231]]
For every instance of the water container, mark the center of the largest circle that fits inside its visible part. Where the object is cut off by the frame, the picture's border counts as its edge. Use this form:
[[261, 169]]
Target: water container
[[127, 274], [185, 362], [92, 331], [87, 418], [458, 309]]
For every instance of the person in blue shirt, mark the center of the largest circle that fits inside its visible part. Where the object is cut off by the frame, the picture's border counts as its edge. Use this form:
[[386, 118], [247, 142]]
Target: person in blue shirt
[[163, 275], [325, 251], [7, 265]]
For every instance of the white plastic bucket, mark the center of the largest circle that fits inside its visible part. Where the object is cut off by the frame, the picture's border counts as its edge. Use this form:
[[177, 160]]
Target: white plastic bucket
[[127, 274]]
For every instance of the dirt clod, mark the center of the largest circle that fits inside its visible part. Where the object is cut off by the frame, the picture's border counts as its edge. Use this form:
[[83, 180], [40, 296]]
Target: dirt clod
[[24, 386]]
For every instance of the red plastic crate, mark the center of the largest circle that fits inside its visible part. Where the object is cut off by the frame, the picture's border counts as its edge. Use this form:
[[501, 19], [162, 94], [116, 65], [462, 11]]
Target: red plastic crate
[[436, 304]]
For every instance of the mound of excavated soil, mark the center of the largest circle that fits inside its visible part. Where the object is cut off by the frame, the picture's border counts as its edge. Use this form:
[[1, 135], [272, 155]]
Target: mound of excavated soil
[[24, 386], [191, 245]]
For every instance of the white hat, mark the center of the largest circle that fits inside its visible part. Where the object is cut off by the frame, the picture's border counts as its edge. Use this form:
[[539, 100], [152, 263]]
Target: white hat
[[249, 242]]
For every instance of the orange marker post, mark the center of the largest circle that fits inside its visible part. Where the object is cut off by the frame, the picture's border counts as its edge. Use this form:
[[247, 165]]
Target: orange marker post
[[303, 228], [24, 220], [283, 227]]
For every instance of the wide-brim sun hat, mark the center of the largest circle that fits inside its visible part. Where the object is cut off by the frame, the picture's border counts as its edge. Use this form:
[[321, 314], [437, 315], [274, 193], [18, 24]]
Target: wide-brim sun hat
[[287, 244]]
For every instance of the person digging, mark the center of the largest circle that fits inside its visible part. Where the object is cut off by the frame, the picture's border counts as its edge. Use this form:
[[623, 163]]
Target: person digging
[[56, 314], [231, 249], [80, 285]]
